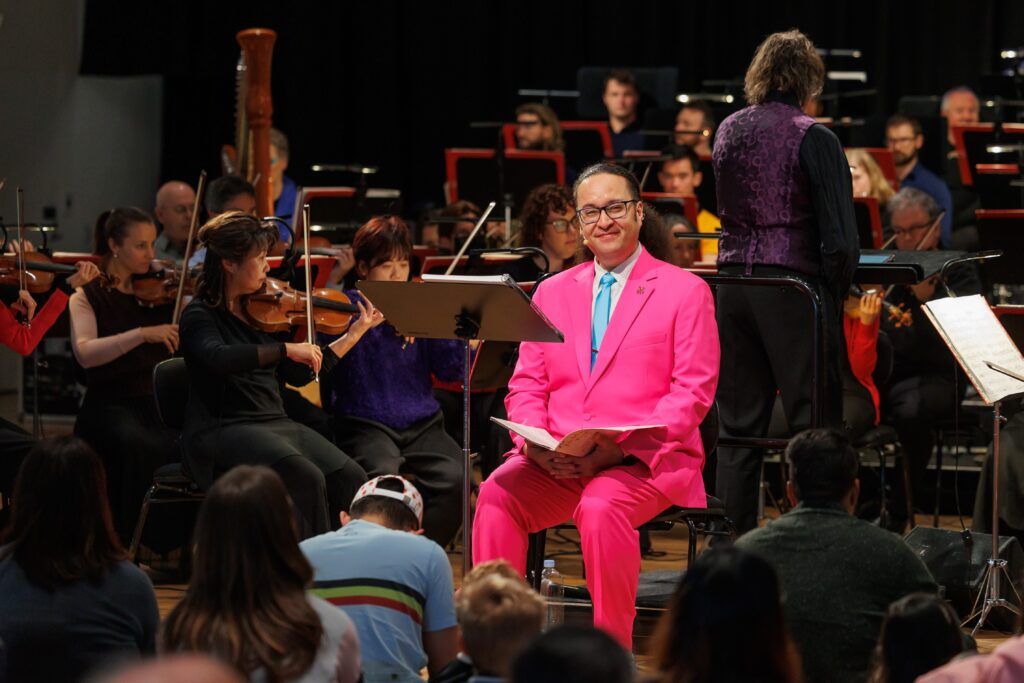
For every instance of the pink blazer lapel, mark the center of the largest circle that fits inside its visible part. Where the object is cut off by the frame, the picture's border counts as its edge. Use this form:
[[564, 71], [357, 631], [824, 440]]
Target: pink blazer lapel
[[580, 312], [635, 293]]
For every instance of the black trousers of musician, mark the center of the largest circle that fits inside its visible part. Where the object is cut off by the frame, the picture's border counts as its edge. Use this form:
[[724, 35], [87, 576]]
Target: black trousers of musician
[[132, 441], [15, 443], [320, 478], [767, 346], [423, 453], [913, 406]]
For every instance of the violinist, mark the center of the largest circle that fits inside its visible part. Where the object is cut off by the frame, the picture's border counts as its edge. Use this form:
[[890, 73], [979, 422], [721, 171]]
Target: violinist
[[117, 342], [861, 313], [921, 390], [380, 393], [235, 414], [21, 329], [229, 193]]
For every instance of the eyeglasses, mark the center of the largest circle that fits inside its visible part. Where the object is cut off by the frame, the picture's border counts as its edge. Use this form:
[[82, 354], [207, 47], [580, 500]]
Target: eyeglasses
[[589, 215], [903, 232], [559, 224], [529, 123], [182, 208]]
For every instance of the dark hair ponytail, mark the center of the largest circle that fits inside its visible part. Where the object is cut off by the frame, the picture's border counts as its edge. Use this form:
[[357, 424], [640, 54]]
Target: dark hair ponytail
[[114, 224]]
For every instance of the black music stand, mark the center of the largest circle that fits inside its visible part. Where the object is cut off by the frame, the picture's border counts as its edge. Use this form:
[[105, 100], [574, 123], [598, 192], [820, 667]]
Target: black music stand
[[462, 307]]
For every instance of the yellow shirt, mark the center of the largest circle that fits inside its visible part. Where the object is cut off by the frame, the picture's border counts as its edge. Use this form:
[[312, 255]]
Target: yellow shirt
[[708, 222]]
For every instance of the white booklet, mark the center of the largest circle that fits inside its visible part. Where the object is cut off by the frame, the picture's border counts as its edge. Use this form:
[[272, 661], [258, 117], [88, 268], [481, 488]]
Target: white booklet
[[980, 344], [579, 442]]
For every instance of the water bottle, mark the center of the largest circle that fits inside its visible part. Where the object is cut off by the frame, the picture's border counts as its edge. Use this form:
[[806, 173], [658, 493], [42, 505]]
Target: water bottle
[[553, 591]]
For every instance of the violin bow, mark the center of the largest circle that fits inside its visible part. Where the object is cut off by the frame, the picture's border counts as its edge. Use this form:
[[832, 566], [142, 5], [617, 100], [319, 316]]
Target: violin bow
[[22, 277], [309, 281], [200, 187]]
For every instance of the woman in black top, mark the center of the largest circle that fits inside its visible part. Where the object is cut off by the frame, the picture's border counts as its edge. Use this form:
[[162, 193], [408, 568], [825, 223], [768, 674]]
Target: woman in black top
[[118, 342], [234, 414]]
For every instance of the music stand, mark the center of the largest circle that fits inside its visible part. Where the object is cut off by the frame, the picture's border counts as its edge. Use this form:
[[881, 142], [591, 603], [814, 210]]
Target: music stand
[[981, 345], [465, 308]]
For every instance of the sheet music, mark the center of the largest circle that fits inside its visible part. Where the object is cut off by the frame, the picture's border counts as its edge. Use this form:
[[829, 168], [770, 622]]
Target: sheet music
[[974, 335]]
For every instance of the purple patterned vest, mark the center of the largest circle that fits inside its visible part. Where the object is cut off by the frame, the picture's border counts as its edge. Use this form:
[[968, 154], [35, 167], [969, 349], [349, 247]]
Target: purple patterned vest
[[763, 199]]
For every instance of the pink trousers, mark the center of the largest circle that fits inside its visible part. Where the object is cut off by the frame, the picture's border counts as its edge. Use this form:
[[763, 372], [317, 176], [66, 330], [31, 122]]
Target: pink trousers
[[520, 498]]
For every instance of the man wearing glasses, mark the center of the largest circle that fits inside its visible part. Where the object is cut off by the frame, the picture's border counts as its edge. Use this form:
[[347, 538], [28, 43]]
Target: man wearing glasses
[[537, 128], [904, 138], [641, 348], [174, 203], [921, 388]]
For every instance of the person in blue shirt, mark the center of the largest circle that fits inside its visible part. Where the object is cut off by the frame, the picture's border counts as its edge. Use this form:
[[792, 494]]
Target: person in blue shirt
[[392, 582], [283, 188], [904, 138]]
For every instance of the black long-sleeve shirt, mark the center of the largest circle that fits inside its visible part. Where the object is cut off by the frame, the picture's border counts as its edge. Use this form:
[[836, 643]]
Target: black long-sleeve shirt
[[828, 172], [235, 370]]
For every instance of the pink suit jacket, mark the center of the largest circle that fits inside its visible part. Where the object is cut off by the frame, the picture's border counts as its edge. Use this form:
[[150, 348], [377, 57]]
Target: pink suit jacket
[[658, 364]]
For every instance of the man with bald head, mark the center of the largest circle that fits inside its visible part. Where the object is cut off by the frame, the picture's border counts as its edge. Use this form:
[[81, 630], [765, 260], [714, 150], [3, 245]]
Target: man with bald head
[[174, 203]]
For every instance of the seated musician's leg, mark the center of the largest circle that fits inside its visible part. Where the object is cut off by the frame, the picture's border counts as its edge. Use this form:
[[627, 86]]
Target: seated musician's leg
[[517, 499], [342, 475], [612, 505]]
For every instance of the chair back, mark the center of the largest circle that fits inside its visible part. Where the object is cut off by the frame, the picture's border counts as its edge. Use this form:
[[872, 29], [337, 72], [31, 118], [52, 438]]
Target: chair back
[[170, 390], [709, 430]]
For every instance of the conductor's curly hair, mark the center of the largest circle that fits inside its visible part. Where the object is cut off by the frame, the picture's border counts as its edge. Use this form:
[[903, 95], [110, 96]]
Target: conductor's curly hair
[[785, 62]]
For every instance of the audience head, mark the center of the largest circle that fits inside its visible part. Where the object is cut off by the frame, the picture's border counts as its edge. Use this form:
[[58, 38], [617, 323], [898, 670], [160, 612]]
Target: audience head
[[572, 654], [913, 216], [247, 601], [390, 501], [175, 201], [684, 252], [695, 115], [785, 62], [189, 668], [904, 139], [725, 623], [868, 180], [681, 174], [60, 530], [961, 107], [382, 249], [497, 617], [230, 193], [492, 567], [610, 212], [537, 127], [125, 236], [620, 95], [549, 222], [920, 632], [236, 255], [822, 469]]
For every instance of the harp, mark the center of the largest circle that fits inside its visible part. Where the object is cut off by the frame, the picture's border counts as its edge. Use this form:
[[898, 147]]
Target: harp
[[249, 157]]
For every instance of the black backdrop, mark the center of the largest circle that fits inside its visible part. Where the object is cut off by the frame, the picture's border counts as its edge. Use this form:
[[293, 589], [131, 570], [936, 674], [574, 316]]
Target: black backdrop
[[392, 83]]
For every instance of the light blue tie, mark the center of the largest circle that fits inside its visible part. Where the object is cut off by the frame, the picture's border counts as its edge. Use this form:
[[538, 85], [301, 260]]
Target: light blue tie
[[602, 312]]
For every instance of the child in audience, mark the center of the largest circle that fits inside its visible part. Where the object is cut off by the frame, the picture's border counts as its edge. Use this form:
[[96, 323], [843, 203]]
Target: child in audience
[[395, 584], [573, 654], [921, 632]]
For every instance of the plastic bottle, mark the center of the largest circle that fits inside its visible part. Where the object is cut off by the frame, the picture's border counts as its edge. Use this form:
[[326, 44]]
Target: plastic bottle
[[553, 591]]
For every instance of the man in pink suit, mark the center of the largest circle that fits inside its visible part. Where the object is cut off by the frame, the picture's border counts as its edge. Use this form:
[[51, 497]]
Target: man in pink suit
[[641, 348]]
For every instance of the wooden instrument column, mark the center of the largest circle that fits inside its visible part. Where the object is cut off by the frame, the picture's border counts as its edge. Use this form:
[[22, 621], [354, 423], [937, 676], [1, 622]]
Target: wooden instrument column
[[257, 49]]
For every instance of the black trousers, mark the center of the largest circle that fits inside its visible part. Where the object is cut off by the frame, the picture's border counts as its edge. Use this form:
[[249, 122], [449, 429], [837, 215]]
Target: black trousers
[[767, 346], [133, 443], [320, 478], [912, 406], [424, 454]]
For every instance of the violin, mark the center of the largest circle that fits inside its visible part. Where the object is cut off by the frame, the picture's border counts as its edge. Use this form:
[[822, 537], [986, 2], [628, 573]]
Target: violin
[[898, 314], [277, 307], [159, 287], [40, 271]]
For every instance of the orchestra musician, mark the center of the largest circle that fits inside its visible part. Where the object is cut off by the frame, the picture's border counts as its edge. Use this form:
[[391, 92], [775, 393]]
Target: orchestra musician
[[799, 224], [235, 413], [21, 329], [641, 348], [117, 342], [380, 392]]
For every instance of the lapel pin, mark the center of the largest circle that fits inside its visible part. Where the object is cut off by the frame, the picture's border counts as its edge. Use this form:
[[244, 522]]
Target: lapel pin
[[640, 289]]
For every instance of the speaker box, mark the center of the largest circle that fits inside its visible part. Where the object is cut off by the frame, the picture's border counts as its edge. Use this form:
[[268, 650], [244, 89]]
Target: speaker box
[[959, 566]]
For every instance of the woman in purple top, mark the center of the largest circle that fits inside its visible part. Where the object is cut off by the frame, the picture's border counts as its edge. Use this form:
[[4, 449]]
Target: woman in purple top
[[380, 393]]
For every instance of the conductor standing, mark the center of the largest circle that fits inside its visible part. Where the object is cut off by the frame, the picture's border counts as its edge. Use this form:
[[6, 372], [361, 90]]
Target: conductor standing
[[786, 204]]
